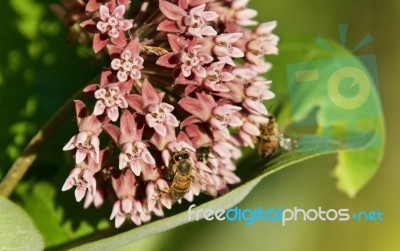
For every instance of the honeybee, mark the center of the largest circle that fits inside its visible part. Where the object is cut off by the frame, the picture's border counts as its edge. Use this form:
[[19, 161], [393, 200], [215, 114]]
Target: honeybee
[[183, 174], [271, 138]]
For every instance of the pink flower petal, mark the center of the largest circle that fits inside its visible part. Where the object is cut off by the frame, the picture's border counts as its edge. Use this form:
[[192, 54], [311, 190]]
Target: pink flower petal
[[160, 129], [119, 219], [208, 31], [122, 76], [113, 113], [70, 145], [99, 108], [119, 11], [104, 12], [168, 26], [198, 10], [171, 120], [209, 15], [149, 93], [67, 185], [126, 24], [99, 41], [186, 70], [200, 71], [80, 193], [171, 11], [80, 157]]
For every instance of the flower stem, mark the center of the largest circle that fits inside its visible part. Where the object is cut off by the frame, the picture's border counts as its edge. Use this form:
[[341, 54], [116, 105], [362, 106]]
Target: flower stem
[[30, 153]]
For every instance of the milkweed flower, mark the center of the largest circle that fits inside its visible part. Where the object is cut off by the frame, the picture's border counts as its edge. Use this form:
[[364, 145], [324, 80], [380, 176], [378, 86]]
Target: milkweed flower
[[181, 93]]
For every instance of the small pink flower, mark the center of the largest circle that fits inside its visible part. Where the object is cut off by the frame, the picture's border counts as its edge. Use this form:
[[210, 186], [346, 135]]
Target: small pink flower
[[125, 186], [109, 99], [193, 60], [82, 177], [224, 48], [243, 15], [201, 108], [217, 77], [112, 21], [194, 22], [86, 142], [128, 208], [129, 63], [197, 20], [133, 155], [83, 180], [265, 43], [256, 93], [97, 198], [224, 116], [159, 116], [247, 132], [158, 191]]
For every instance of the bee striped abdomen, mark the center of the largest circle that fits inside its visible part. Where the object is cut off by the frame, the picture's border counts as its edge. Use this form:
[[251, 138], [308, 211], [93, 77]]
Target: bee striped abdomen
[[180, 186]]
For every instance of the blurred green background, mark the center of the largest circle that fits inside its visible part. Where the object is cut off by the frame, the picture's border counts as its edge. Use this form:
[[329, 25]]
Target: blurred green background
[[37, 74]]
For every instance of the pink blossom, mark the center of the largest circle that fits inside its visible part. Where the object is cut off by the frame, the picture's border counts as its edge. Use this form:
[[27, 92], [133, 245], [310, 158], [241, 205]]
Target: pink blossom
[[243, 15], [125, 186], [86, 142], [224, 116], [193, 60], [110, 96], [82, 177], [112, 21], [159, 116], [201, 108], [109, 26], [205, 68], [197, 20], [264, 43], [129, 63], [224, 48], [194, 22], [217, 77], [134, 153], [247, 132], [256, 93], [83, 180], [97, 198], [158, 191], [128, 208], [109, 99]]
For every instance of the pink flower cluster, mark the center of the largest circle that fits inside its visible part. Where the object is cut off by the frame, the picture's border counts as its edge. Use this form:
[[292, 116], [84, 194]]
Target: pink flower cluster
[[184, 75]]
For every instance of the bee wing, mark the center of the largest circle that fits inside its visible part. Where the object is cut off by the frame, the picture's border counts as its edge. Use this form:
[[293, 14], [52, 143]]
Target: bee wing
[[287, 143], [205, 185]]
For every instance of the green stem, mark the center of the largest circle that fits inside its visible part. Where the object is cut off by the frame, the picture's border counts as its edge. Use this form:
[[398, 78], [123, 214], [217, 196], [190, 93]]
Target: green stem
[[30, 153]]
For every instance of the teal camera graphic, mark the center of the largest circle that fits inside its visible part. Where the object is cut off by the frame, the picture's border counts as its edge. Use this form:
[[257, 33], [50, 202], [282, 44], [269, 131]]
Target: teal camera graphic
[[335, 94]]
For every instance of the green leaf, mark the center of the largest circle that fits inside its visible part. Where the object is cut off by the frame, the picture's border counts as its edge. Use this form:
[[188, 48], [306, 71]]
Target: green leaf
[[17, 230], [57, 215]]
